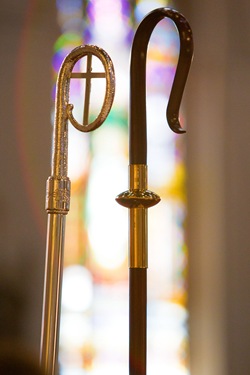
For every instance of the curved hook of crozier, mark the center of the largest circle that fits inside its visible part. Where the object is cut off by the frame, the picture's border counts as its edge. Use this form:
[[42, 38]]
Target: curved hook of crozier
[[138, 138], [63, 110]]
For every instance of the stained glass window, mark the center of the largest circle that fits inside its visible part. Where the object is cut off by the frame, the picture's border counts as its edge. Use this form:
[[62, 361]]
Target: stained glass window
[[94, 323]]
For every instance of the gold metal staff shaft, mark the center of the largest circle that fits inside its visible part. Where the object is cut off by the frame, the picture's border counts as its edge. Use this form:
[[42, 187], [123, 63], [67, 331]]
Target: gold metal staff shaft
[[58, 191], [52, 293]]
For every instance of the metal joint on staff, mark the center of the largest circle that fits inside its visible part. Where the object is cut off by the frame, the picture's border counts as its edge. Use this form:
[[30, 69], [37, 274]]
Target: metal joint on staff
[[58, 195], [138, 199]]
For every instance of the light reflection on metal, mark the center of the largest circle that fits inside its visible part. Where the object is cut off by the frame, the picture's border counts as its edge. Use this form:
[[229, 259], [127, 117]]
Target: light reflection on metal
[[138, 198], [58, 189]]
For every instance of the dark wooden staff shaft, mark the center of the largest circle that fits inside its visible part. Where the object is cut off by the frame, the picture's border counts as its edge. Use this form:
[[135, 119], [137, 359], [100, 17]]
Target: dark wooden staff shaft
[[137, 321]]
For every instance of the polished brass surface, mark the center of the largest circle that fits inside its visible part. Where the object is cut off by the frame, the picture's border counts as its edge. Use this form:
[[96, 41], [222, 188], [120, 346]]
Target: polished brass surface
[[58, 188], [138, 198], [52, 293], [58, 195], [138, 176], [138, 238]]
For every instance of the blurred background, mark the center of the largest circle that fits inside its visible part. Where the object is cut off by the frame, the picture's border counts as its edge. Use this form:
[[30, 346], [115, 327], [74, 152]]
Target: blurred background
[[199, 252]]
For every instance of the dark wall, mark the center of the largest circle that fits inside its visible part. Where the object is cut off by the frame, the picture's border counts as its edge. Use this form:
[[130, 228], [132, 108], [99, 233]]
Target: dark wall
[[27, 34], [237, 192], [218, 113]]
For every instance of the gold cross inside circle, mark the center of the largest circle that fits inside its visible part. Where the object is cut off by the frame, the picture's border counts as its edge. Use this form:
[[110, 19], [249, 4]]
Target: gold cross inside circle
[[88, 75]]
